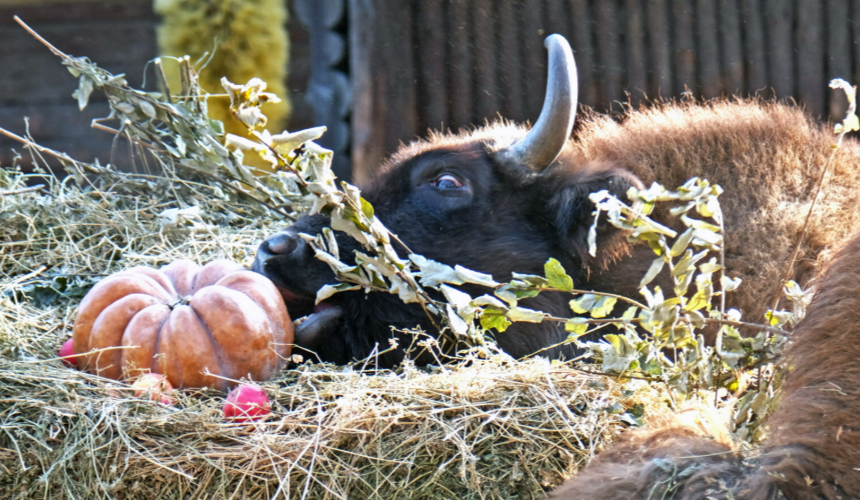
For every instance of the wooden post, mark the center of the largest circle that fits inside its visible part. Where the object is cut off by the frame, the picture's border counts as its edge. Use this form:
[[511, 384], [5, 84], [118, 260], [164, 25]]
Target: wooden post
[[708, 52], [461, 62], [812, 80], [509, 62], [732, 61], [684, 60], [433, 91], [660, 71], [778, 14], [584, 51], [635, 66], [839, 48], [532, 56], [485, 93], [366, 143], [754, 49], [609, 60]]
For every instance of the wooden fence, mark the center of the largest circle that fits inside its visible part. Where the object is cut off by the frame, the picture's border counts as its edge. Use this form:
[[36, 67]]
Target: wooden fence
[[413, 65], [438, 64]]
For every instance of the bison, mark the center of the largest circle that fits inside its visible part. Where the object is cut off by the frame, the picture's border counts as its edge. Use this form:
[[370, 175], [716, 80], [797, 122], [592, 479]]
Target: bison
[[811, 451], [505, 198]]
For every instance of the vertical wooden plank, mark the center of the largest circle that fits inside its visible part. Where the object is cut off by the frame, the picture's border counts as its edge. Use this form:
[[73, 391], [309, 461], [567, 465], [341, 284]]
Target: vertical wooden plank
[[732, 65], [484, 91], [554, 17], [508, 62], [581, 43], [432, 91], [839, 52], [811, 75], [754, 49], [685, 62], [708, 53], [394, 73], [608, 60], [660, 70], [367, 136], [460, 54], [779, 42], [533, 57], [636, 51]]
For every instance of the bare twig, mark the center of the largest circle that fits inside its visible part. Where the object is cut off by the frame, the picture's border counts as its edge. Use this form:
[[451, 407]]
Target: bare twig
[[22, 190]]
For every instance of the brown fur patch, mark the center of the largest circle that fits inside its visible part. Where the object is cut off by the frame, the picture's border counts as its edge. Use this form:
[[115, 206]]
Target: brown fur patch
[[767, 156], [812, 451]]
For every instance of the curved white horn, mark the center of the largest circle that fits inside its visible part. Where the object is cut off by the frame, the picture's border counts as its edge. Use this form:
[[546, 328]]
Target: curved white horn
[[543, 143]]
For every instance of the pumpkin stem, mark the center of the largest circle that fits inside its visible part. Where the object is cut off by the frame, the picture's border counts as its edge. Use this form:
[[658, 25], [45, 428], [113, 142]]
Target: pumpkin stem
[[181, 301]]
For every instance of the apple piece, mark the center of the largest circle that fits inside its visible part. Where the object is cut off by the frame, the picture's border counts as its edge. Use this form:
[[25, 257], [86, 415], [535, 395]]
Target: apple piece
[[67, 352], [154, 386], [246, 403]]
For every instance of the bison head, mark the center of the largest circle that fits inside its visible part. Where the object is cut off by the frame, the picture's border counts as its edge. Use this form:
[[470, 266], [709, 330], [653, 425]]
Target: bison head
[[497, 200]]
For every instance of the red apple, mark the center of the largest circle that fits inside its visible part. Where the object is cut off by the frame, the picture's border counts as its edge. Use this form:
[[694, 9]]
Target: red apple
[[154, 386], [67, 352], [246, 403]]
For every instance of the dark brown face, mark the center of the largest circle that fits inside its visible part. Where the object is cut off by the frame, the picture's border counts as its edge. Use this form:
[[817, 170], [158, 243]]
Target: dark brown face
[[456, 206]]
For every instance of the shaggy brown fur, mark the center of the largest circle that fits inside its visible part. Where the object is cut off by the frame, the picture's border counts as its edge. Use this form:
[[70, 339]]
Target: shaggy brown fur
[[812, 448], [767, 156]]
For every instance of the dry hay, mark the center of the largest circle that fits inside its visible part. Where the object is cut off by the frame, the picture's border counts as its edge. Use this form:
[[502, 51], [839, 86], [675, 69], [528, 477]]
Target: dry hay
[[480, 428]]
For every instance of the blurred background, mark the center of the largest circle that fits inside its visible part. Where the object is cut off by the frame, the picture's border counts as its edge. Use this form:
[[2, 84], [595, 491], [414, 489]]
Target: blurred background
[[381, 72]]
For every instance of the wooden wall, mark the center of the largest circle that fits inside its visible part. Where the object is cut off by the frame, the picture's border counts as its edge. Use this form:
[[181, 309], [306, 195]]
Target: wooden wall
[[119, 36], [447, 64]]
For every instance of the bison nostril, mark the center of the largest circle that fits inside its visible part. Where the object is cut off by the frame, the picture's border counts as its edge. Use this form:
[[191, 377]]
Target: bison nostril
[[282, 243]]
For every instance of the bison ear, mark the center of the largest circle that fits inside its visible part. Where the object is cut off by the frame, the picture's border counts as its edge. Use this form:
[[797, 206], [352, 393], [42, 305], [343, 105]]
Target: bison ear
[[572, 212]]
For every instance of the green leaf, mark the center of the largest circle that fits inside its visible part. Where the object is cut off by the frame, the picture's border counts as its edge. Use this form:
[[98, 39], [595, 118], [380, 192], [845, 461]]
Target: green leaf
[[367, 209], [434, 273], [458, 299], [700, 224], [681, 243], [327, 291], [630, 313], [526, 315], [730, 284], [528, 280], [85, 88], [583, 304], [698, 301], [506, 293], [470, 276], [603, 307], [577, 326], [851, 123], [487, 300], [556, 276], [710, 267], [147, 108], [525, 294], [494, 318], [653, 271]]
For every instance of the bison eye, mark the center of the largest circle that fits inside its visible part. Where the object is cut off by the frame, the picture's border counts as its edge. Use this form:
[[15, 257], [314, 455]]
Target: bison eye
[[448, 182]]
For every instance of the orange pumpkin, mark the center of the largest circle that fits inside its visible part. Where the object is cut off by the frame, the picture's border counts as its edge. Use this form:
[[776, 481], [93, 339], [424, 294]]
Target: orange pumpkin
[[182, 321]]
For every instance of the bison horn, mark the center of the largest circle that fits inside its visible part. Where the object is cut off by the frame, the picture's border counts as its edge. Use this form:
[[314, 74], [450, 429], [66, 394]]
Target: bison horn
[[540, 147]]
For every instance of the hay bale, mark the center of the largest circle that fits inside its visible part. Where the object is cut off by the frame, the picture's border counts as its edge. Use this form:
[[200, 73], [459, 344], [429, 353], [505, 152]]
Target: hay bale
[[484, 427]]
